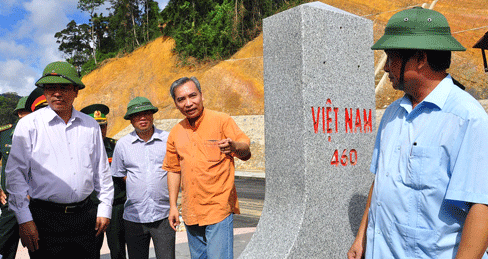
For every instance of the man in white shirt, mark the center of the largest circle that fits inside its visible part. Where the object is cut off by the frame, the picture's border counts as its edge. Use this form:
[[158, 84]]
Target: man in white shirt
[[59, 159]]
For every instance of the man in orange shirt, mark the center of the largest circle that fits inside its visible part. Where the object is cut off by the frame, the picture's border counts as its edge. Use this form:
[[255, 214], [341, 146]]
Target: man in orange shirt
[[200, 157]]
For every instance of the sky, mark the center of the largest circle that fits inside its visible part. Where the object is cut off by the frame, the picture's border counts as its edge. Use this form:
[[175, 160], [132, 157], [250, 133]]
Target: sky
[[27, 42]]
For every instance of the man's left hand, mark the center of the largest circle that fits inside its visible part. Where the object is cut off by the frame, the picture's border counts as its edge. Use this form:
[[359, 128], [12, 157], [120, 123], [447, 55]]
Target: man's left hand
[[102, 224], [227, 146], [239, 149]]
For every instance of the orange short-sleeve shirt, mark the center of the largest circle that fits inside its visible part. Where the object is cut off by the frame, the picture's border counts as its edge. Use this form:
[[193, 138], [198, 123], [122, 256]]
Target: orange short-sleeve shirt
[[207, 184]]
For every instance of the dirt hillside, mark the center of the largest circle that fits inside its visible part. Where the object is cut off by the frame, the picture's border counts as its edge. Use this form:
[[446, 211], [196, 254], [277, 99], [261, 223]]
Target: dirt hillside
[[236, 86]]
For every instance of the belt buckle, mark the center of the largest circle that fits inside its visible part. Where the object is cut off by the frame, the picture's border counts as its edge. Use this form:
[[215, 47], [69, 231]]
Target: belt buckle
[[67, 209]]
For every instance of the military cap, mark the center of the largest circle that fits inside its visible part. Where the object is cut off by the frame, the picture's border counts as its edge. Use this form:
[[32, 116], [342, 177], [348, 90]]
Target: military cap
[[418, 28], [36, 100], [139, 104], [98, 112], [60, 73], [20, 105]]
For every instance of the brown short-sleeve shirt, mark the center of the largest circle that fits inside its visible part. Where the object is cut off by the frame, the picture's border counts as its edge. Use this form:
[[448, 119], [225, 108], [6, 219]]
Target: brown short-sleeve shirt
[[207, 184]]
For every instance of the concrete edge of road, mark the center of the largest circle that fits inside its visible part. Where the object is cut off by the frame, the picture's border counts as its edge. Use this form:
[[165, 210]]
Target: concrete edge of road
[[250, 174]]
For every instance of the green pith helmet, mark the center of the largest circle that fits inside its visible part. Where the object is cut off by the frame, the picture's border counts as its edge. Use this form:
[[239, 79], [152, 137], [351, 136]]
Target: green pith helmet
[[98, 112], [20, 105], [139, 104], [418, 28], [60, 73]]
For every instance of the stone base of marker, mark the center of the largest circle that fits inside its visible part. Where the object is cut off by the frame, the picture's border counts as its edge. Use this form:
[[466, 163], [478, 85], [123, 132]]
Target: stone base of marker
[[319, 132]]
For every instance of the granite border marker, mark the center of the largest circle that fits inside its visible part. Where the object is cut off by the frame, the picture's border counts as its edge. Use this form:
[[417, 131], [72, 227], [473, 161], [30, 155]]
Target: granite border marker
[[319, 132]]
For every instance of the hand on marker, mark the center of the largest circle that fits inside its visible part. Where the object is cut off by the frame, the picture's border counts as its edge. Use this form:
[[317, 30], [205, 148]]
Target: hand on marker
[[356, 251], [227, 146]]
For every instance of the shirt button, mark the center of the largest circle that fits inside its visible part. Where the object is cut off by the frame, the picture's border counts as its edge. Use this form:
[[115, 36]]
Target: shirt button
[[378, 231], [379, 203]]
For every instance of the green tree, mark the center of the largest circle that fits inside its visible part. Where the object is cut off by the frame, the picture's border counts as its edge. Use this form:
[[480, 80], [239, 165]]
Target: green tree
[[90, 6], [75, 43], [8, 102]]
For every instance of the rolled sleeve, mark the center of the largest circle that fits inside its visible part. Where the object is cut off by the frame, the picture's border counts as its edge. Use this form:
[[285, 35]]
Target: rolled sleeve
[[469, 174], [117, 167], [171, 161]]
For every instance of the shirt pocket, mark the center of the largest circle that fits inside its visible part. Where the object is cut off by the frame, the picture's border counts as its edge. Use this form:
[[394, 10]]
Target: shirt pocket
[[423, 167], [414, 242], [85, 156]]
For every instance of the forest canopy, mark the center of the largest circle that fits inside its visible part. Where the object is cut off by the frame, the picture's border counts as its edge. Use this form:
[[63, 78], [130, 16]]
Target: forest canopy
[[202, 29]]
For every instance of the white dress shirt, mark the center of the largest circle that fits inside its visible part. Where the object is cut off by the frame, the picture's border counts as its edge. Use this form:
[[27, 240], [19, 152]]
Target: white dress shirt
[[58, 162]]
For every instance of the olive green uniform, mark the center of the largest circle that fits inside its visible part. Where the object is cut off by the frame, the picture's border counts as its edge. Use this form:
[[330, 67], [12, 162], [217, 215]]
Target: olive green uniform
[[115, 231], [9, 230]]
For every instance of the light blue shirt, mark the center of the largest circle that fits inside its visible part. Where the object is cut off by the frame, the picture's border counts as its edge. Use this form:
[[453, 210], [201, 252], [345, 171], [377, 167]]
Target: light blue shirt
[[59, 162], [430, 163], [147, 186]]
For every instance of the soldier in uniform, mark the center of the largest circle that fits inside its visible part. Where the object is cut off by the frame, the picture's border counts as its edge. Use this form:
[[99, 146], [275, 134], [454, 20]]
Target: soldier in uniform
[[9, 230], [115, 231]]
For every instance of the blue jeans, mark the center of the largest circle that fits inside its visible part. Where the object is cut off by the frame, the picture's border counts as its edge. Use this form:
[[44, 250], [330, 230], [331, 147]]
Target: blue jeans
[[213, 241]]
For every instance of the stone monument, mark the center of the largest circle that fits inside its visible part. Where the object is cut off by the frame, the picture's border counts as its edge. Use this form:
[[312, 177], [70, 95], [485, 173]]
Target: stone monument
[[319, 132]]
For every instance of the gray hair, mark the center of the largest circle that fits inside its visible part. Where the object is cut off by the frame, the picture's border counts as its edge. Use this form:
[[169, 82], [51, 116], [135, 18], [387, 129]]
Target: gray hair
[[182, 81]]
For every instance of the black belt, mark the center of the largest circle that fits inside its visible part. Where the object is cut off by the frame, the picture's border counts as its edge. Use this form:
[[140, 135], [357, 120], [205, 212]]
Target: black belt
[[60, 207]]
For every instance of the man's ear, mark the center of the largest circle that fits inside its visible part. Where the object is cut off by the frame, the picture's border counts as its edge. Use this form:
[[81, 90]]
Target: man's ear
[[421, 58]]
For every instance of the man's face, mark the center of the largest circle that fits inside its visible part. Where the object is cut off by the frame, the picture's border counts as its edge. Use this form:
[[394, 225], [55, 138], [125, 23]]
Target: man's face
[[142, 121], [103, 129], [60, 97], [22, 113], [189, 100], [393, 66]]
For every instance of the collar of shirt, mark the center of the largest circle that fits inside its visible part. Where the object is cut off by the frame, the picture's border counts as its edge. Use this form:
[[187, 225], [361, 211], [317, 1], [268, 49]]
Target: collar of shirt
[[156, 135], [436, 98], [53, 117]]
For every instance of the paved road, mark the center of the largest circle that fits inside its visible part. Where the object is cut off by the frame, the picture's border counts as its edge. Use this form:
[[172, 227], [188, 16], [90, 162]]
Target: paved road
[[251, 198], [250, 192]]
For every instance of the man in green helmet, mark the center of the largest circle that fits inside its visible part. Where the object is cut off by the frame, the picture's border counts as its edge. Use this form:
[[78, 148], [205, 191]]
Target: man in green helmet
[[138, 160], [429, 196], [58, 158]]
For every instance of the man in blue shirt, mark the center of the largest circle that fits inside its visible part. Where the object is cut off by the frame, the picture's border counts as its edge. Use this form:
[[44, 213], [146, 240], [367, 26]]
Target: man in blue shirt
[[138, 158], [429, 196]]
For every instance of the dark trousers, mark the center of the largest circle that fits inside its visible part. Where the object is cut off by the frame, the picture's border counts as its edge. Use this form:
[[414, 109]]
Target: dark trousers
[[138, 236], [65, 235], [116, 233], [9, 233]]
